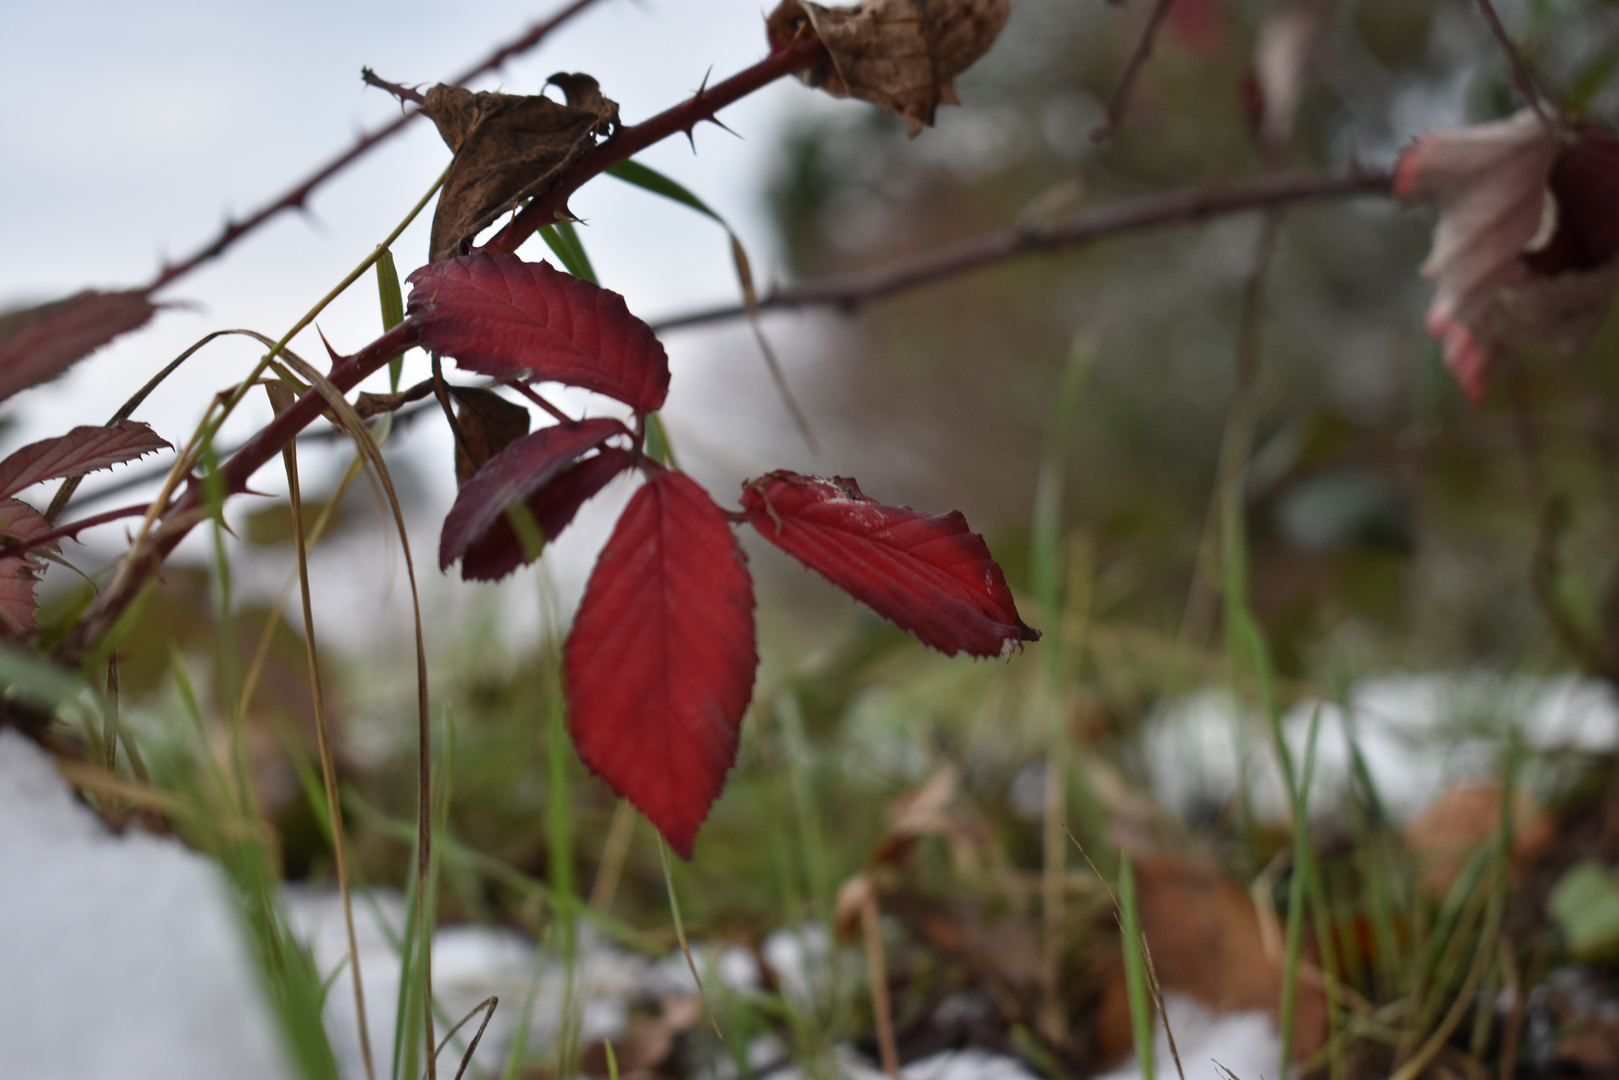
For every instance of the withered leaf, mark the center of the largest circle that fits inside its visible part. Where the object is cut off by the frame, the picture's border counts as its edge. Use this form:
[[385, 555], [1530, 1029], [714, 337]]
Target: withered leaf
[[508, 148], [488, 424], [900, 55], [39, 343], [585, 93]]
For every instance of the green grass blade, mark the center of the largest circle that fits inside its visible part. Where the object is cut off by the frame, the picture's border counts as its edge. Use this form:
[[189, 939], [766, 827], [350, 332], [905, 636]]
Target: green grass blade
[[393, 309], [1135, 968], [564, 242], [1302, 860]]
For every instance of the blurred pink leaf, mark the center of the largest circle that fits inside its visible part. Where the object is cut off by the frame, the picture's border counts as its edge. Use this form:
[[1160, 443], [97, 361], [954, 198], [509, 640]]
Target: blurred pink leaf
[[39, 343]]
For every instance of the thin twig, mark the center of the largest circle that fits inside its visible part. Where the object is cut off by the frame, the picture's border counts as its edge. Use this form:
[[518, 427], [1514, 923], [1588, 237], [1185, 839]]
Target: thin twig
[[992, 248], [626, 142], [1132, 71], [299, 194], [1521, 77]]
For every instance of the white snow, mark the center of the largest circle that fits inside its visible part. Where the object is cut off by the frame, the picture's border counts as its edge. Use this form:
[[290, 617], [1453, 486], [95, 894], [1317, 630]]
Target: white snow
[[120, 957], [1246, 1043]]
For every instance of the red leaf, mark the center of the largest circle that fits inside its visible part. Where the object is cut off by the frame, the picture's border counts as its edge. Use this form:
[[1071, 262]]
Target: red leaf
[[500, 551], [661, 659], [500, 316], [512, 475], [929, 575], [20, 573], [40, 343], [82, 450]]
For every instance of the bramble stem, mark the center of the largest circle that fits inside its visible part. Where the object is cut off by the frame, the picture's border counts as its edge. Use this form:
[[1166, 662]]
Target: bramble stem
[[629, 141], [992, 248]]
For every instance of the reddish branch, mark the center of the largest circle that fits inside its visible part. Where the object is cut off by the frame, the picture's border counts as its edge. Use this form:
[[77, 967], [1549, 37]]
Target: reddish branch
[[989, 249], [347, 372], [186, 511], [299, 195], [626, 142], [1132, 71]]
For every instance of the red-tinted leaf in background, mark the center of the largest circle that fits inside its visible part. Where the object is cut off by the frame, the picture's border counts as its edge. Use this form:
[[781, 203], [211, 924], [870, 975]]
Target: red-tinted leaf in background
[[512, 475], [82, 450], [500, 316], [500, 550], [19, 573], [661, 659], [40, 343], [929, 575]]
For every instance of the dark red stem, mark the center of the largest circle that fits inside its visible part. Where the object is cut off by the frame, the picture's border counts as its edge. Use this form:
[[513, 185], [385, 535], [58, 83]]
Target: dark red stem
[[184, 513], [629, 141], [73, 528]]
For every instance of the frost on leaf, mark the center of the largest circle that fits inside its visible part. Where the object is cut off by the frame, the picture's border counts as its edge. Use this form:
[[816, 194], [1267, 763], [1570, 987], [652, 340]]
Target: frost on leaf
[[19, 573], [930, 575], [1524, 250], [900, 55], [37, 344], [661, 659], [82, 450], [500, 316], [507, 148], [523, 468]]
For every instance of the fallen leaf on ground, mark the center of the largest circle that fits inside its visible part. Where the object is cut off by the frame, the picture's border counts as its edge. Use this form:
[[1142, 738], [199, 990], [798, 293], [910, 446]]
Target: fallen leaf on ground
[[649, 1043], [900, 55], [1204, 937], [1446, 834]]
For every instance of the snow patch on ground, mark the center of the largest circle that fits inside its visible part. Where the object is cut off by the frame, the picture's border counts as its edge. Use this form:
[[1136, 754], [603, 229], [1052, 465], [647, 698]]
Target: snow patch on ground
[[1246, 1043], [1418, 734], [122, 957]]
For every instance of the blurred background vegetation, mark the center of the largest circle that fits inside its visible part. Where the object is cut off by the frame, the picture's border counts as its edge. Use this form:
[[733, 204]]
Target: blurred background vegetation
[[1390, 527]]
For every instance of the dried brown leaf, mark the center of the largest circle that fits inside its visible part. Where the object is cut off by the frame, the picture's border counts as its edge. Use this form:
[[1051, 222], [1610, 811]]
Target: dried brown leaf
[[40, 343], [900, 55], [488, 424], [1445, 835], [507, 148], [649, 1043], [1204, 937]]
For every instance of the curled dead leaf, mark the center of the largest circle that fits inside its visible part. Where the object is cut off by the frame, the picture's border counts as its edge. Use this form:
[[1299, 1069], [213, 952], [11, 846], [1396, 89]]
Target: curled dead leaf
[[508, 148], [487, 424], [1525, 249], [900, 55]]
